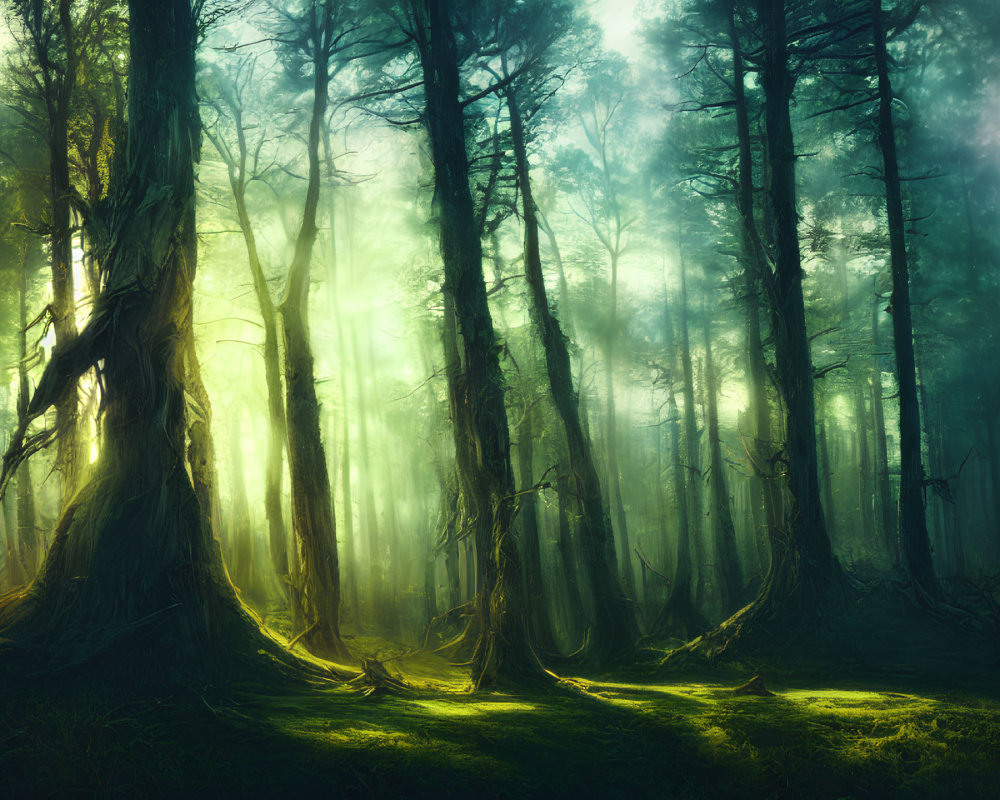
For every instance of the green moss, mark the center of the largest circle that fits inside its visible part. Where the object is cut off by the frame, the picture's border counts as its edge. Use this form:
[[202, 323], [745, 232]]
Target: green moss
[[594, 739]]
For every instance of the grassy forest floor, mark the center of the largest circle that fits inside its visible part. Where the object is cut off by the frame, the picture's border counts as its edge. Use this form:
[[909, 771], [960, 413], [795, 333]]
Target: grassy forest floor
[[822, 735]]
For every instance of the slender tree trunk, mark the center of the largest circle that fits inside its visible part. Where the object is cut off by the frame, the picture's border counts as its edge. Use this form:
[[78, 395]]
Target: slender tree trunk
[[679, 615], [726, 555], [611, 441], [992, 426], [866, 495], [312, 503], [692, 445], [274, 465], [61, 249], [884, 503], [534, 584], [369, 518], [27, 534], [762, 451], [615, 629], [503, 653], [241, 536], [826, 478], [913, 539]]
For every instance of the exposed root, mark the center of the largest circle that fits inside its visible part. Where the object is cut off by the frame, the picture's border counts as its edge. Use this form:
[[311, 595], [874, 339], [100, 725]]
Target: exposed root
[[375, 678], [755, 686]]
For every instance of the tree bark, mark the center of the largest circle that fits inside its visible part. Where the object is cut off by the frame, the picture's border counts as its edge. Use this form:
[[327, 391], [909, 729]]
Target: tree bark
[[503, 652], [133, 551], [727, 557], [27, 550], [913, 540], [312, 503], [615, 629]]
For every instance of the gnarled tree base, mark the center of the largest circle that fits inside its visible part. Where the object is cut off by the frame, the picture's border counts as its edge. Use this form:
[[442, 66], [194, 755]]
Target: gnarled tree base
[[134, 584]]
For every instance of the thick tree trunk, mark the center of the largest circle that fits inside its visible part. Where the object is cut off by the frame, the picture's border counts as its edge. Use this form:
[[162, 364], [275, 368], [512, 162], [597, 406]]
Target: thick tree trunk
[[615, 628], [913, 539], [503, 653], [802, 564], [133, 552], [804, 579]]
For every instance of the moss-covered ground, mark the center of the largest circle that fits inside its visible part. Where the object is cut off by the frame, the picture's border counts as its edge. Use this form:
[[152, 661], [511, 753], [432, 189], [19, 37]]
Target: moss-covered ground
[[596, 737]]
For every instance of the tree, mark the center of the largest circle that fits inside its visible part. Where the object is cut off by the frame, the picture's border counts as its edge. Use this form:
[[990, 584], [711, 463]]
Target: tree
[[503, 651], [615, 630], [133, 553], [803, 578], [914, 544], [243, 167]]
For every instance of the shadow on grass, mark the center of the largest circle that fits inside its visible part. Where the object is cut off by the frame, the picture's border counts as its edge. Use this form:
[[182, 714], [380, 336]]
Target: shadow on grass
[[593, 738]]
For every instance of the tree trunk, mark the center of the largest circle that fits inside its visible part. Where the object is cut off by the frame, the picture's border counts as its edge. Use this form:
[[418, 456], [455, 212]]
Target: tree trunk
[[803, 579], [679, 616], [762, 451], [883, 496], [312, 504], [61, 249], [615, 628], [274, 465], [503, 652], [865, 492], [913, 539], [27, 550], [692, 445], [727, 558], [133, 553], [534, 585], [826, 477]]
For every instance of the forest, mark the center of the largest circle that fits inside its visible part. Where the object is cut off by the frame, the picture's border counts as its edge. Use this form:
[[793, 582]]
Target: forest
[[500, 398]]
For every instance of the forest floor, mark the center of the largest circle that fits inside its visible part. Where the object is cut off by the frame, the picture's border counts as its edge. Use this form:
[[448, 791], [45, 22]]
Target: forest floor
[[819, 736]]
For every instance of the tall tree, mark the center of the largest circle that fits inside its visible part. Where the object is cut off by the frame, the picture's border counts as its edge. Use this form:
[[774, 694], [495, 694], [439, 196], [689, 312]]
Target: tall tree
[[914, 543], [133, 552], [319, 34], [503, 651], [615, 630], [49, 33]]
